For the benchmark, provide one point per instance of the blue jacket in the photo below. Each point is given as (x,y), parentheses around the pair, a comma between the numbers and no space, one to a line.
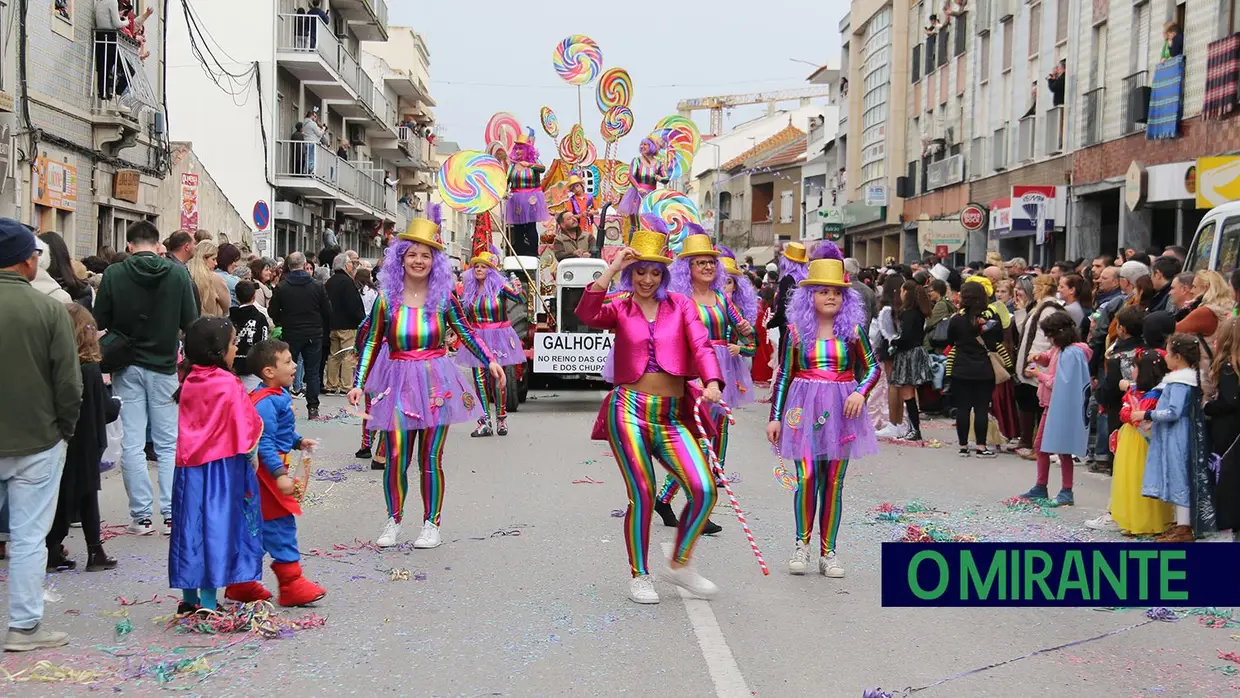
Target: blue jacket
(279,432)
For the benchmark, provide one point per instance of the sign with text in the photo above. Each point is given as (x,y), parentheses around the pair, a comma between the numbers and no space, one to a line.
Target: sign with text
(571,352)
(1031,204)
(55,184)
(126,185)
(875,195)
(189,202)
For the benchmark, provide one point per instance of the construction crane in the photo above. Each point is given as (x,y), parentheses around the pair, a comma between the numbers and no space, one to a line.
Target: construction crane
(717,104)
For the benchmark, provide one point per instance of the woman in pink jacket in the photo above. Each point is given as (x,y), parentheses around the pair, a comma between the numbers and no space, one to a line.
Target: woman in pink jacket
(660,346)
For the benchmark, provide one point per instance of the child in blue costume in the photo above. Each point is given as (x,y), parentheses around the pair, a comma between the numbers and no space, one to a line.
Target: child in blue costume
(271,361)
(216,521)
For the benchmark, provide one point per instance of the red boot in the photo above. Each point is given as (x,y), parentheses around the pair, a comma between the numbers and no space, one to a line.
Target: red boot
(247,592)
(295,590)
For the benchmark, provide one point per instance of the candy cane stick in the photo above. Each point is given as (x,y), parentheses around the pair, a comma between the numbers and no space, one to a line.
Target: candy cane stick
(723,477)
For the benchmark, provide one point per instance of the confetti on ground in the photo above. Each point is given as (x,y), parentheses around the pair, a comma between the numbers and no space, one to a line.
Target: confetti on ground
(124,627)
(926,443)
(618,513)
(1215,617)
(932,533)
(329,475)
(1044,507)
(108,532)
(259,618)
(337,416)
(155,598)
(588,481)
(46,672)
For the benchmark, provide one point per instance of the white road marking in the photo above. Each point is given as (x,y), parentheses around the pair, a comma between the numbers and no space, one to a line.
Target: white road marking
(724,671)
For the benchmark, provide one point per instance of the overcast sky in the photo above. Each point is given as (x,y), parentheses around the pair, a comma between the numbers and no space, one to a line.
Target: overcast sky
(489,56)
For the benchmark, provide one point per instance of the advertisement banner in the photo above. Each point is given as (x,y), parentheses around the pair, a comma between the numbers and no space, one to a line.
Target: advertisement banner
(571,352)
(189,203)
(1218,180)
(1031,204)
(55,184)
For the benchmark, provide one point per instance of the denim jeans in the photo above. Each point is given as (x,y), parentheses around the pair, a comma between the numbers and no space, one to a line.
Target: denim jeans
(299,377)
(146,399)
(34,483)
(309,353)
(1102,448)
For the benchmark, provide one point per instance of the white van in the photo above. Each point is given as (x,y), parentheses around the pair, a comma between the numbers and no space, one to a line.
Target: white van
(1216,244)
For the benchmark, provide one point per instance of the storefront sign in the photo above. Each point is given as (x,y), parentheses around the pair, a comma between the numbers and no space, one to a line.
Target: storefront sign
(189,202)
(1000,223)
(973,217)
(1134,186)
(1175,181)
(1029,205)
(856,214)
(875,195)
(55,184)
(571,352)
(125,185)
(934,234)
(1218,180)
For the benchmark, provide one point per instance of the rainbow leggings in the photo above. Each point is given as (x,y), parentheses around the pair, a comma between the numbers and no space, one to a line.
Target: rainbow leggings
(642,428)
(404,447)
(489,392)
(370,437)
(820,486)
(719,443)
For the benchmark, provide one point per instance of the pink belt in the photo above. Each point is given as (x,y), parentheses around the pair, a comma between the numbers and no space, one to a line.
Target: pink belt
(418,354)
(491,325)
(821,374)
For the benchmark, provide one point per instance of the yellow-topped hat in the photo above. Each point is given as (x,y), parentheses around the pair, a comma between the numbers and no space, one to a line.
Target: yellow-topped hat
(488,258)
(697,246)
(825,272)
(574,179)
(796,252)
(729,265)
(650,246)
(522,138)
(424,231)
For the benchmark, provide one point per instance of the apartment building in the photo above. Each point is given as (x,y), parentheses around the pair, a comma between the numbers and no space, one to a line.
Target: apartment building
(83,143)
(243,93)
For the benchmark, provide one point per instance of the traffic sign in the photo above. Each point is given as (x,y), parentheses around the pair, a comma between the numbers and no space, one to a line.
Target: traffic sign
(973,217)
(262,214)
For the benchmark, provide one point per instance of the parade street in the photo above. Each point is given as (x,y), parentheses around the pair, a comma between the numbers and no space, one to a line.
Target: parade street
(527,595)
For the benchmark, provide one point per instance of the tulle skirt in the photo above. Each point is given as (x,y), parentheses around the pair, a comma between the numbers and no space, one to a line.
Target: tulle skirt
(411,395)
(631,203)
(609,367)
(503,342)
(737,381)
(814,425)
(217,523)
(527,206)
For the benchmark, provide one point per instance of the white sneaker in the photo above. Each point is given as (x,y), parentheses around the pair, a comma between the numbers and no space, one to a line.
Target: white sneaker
(890,431)
(167,526)
(141,528)
(689,580)
(799,563)
(829,565)
(641,590)
(390,533)
(1103,523)
(429,537)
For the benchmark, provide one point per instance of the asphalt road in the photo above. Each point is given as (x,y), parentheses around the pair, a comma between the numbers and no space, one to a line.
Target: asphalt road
(527,596)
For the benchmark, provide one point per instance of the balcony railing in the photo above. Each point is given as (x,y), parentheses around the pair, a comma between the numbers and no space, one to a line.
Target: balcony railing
(379,9)
(1131,106)
(1054,130)
(1027,137)
(305,160)
(307,34)
(1094,103)
(383,107)
(120,78)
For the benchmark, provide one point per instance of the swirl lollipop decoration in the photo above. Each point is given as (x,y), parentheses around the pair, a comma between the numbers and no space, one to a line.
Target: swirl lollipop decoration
(676,122)
(591,155)
(496,150)
(615,89)
(550,124)
(573,147)
(617,123)
(673,210)
(472,182)
(503,128)
(577,59)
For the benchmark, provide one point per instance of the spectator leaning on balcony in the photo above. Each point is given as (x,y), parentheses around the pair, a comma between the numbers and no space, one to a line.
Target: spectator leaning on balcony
(111,80)
(1055,82)
(1173,41)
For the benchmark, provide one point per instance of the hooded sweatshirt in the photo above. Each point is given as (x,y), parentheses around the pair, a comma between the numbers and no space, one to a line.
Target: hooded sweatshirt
(150,301)
(43,281)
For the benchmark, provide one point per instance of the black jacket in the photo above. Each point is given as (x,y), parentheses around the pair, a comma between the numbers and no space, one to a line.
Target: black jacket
(251,326)
(779,318)
(346,301)
(85,449)
(300,307)
(968,359)
(912,331)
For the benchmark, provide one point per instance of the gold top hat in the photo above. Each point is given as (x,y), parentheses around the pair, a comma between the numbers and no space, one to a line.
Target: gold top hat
(729,265)
(697,246)
(796,252)
(826,272)
(424,231)
(487,258)
(574,179)
(650,246)
(522,138)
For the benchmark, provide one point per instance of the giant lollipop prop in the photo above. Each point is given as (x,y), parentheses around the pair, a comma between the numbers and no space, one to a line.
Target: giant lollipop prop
(673,211)
(615,89)
(550,123)
(617,122)
(472,182)
(577,60)
(503,128)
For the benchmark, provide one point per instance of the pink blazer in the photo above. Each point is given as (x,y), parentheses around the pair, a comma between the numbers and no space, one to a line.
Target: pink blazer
(681,347)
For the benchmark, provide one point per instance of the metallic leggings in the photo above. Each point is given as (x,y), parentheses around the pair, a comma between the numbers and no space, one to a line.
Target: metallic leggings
(820,487)
(719,443)
(425,446)
(489,392)
(642,428)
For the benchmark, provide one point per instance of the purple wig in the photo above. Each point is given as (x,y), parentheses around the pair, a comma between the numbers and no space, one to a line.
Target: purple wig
(682,277)
(626,279)
(654,147)
(745,296)
(523,152)
(796,270)
(801,309)
(489,288)
(392,277)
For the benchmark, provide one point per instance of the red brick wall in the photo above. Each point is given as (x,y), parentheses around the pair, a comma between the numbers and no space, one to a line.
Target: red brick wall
(1198,139)
(1045,173)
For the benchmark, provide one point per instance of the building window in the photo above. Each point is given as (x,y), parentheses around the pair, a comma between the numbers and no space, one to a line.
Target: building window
(725,206)
(1007,46)
(785,207)
(1035,29)
(912,177)
(930,44)
(944,40)
(916,63)
(589,178)
(962,34)
(1233,20)
(983,59)
(1141,45)
(1061,21)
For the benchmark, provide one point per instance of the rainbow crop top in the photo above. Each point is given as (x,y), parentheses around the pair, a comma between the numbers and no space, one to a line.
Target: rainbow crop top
(525,177)
(646,176)
(487,311)
(721,321)
(416,330)
(826,360)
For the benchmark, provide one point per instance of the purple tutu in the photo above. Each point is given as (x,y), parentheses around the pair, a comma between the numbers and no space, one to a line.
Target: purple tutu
(737,380)
(410,395)
(631,203)
(814,425)
(503,342)
(609,367)
(527,206)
